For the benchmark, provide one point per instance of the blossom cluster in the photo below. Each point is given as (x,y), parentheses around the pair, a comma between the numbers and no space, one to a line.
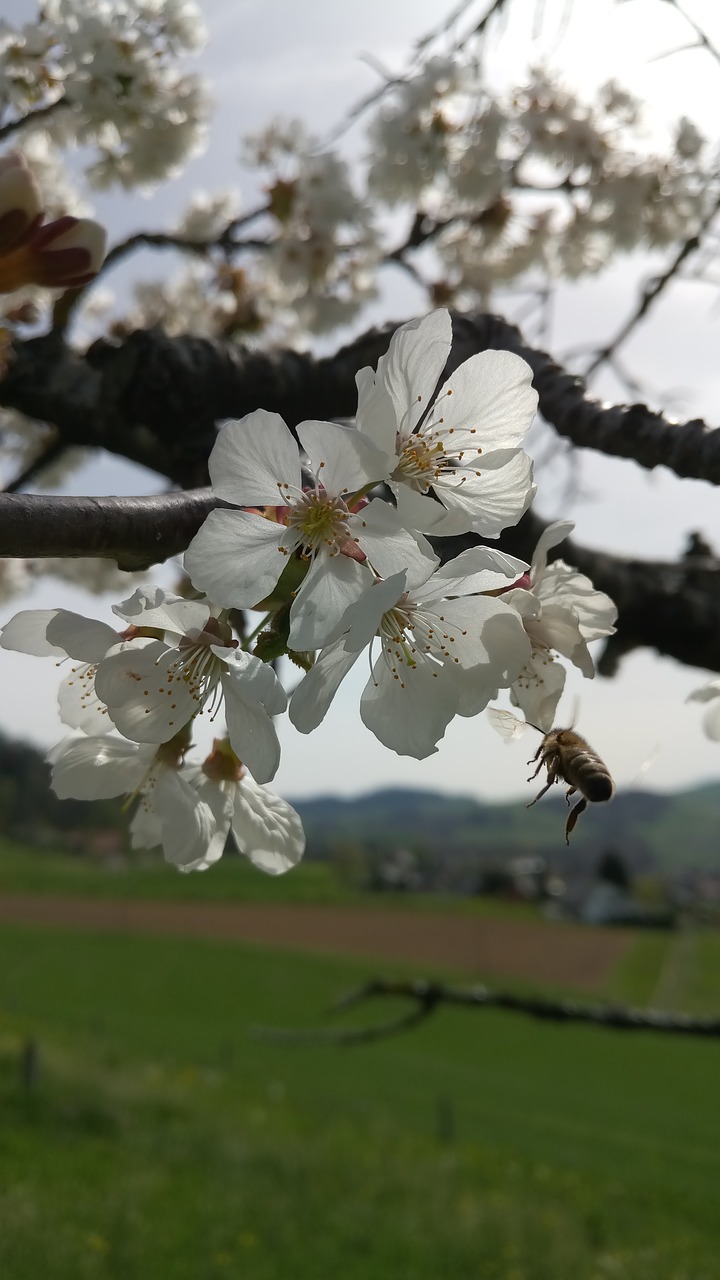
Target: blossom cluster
(102,75)
(327,533)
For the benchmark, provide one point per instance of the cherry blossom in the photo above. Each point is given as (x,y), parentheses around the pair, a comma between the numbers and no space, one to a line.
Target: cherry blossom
(445,648)
(453,459)
(152,691)
(561,612)
(238,556)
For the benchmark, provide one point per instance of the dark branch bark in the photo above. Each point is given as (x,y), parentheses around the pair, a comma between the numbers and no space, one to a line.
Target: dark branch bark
(136,532)
(673,608)
(156,400)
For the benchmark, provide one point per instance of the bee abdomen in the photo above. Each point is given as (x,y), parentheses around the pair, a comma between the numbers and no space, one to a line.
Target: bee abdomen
(591,777)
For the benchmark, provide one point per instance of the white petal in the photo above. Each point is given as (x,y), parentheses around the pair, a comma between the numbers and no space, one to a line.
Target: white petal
(475,570)
(254,459)
(389,545)
(360,622)
(84,639)
(332,584)
(98,768)
(550,537)
(492,397)
(376,420)
(310,701)
(711,722)
(561,584)
(538,691)
(251,731)
(488,636)
(236,558)
(156,608)
(79,705)
(258,680)
(189,826)
(341,459)
(492,500)
(146,700)
(415,360)
(557,627)
(26,633)
(266,829)
(706,692)
(409,718)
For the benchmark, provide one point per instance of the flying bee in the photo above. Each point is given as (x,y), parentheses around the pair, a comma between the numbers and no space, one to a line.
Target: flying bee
(568,758)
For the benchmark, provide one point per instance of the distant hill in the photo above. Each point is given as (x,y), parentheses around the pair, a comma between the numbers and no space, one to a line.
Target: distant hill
(664,832)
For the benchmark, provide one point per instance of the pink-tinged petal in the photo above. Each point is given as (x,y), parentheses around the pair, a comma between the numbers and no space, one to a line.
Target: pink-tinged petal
(493,402)
(538,691)
(492,500)
(389,545)
(27,633)
(84,639)
(255,462)
(146,699)
(252,734)
(19,201)
(266,829)
(98,768)
(332,584)
(153,607)
(340,458)
(410,717)
(310,702)
(67,252)
(236,558)
(411,369)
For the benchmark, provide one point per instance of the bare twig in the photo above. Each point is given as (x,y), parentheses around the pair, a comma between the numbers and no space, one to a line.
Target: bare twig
(427,997)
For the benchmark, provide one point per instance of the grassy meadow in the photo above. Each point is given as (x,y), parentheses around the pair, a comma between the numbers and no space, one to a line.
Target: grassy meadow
(146,1133)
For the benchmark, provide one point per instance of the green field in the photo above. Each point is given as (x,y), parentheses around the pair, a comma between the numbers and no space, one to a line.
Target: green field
(160,1140)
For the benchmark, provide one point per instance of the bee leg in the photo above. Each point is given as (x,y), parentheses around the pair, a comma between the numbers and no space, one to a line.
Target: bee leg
(540,765)
(573,816)
(570,792)
(552,777)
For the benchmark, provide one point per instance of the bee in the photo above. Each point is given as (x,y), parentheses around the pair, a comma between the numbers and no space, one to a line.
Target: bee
(567,758)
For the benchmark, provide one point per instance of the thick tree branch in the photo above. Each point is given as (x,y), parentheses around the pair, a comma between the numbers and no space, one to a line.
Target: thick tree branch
(136,532)
(156,400)
(673,608)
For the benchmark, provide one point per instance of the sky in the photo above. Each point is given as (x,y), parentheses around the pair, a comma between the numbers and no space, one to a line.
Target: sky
(265,58)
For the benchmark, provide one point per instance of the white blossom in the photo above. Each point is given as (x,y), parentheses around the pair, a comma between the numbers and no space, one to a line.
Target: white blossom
(463,443)
(445,649)
(238,556)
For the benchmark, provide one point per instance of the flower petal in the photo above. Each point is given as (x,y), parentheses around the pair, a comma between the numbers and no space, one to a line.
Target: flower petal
(332,584)
(413,365)
(310,702)
(409,717)
(84,639)
(236,558)
(146,699)
(153,607)
(491,500)
(255,460)
(341,459)
(26,632)
(250,729)
(98,768)
(488,401)
(390,546)
(266,829)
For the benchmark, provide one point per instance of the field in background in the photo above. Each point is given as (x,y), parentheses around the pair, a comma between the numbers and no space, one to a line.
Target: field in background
(145,1133)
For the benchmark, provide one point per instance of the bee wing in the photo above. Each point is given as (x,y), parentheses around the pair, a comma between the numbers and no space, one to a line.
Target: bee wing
(506,724)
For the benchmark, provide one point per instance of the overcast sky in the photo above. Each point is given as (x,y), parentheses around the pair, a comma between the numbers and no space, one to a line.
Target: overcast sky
(269,57)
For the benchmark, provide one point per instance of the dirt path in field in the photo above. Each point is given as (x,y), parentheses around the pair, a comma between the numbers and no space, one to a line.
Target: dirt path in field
(566,954)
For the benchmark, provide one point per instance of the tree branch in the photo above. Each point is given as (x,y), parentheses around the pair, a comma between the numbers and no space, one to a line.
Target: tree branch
(427,997)
(156,400)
